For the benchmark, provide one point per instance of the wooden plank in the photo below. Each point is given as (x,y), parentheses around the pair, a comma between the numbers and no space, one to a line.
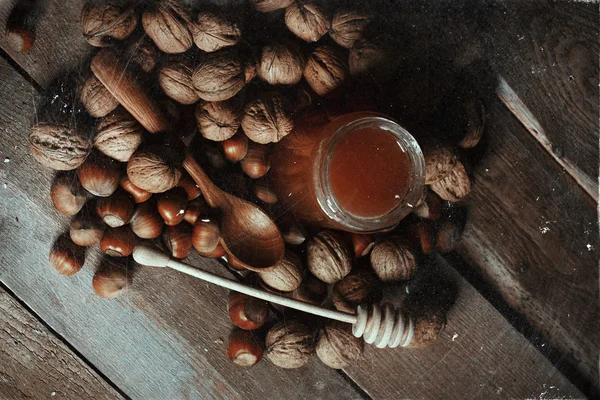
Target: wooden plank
(34,364)
(167,337)
(534,238)
(548,54)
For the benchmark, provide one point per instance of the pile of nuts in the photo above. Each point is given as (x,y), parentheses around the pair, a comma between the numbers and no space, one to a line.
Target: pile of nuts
(198,59)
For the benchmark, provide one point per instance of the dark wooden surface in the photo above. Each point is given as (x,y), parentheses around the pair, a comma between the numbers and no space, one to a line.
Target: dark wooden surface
(171,345)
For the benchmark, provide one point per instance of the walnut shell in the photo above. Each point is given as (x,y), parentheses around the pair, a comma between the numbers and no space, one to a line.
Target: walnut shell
(357,288)
(219,120)
(439,162)
(175,79)
(96,98)
(212,32)
(220,75)
(328,256)
(289,344)
(118,135)
(337,347)
(58,147)
(367,56)
(286,276)
(326,69)
(142,52)
(347,26)
(428,326)
(312,290)
(455,186)
(393,261)
(307,21)
(281,63)
(475,114)
(270,5)
(167,25)
(104,23)
(155,169)
(267,119)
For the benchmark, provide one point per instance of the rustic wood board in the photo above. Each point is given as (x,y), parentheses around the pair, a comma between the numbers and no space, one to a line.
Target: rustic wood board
(34,364)
(534,237)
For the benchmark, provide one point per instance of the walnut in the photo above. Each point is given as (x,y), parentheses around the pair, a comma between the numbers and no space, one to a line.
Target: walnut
(220,75)
(286,276)
(118,135)
(270,5)
(281,63)
(311,290)
(212,32)
(307,21)
(326,69)
(337,347)
(96,98)
(439,162)
(328,256)
(155,169)
(356,288)
(219,120)
(428,326)
(104,23)
(289,344)
(455,186)
(58,147)
(267,119)
(167,25)
(347,26)
(475,115)
(368,56)
(393,261)
(175,79)
(142,52)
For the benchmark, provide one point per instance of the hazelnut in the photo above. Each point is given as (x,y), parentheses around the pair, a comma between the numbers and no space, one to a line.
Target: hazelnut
(236,147)
(244,349)
(218,252)
(267,119)
(171,205)
(111,280)
(115,210)
(289,344)
(175,79)
(430,207)
(393,261)
(67,194)
(99,175)
(58,147)
(219,120)
(167,25)
(194,209)
(347,26)
(286,275)
(281,63)
(362,244)
(86,228)
(311,290)
(66,257)
(475,115)
(214,156)
(96,98)
(357,288)
(455,186)
(326,69)
(139,195)
(103,23)
(219,75)
(146,222)
(328,256)
(337,347)
(20,27)
(118,135)
(448,235)
(264,194)
(247,312)
(178,239)
(257,161)
(421,236)
(212,32)
(270,5)
(428,326)
(155,169)
(205,236)
(439,162)
(372,57)
(117,242)
(191,188)
(307,21)
(292,231)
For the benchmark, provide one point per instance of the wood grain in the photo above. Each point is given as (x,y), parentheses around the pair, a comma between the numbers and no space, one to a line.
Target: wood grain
(29,353)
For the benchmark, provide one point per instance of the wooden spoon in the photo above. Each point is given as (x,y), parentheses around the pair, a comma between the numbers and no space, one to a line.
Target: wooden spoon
(249,234)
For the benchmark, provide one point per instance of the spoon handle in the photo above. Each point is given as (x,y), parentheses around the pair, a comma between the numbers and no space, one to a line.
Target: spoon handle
(212,194)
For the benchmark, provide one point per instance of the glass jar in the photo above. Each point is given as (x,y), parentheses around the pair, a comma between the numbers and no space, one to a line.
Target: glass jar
(358,172)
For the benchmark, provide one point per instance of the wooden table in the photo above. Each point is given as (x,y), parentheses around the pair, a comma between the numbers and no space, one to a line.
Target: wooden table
(525,323)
